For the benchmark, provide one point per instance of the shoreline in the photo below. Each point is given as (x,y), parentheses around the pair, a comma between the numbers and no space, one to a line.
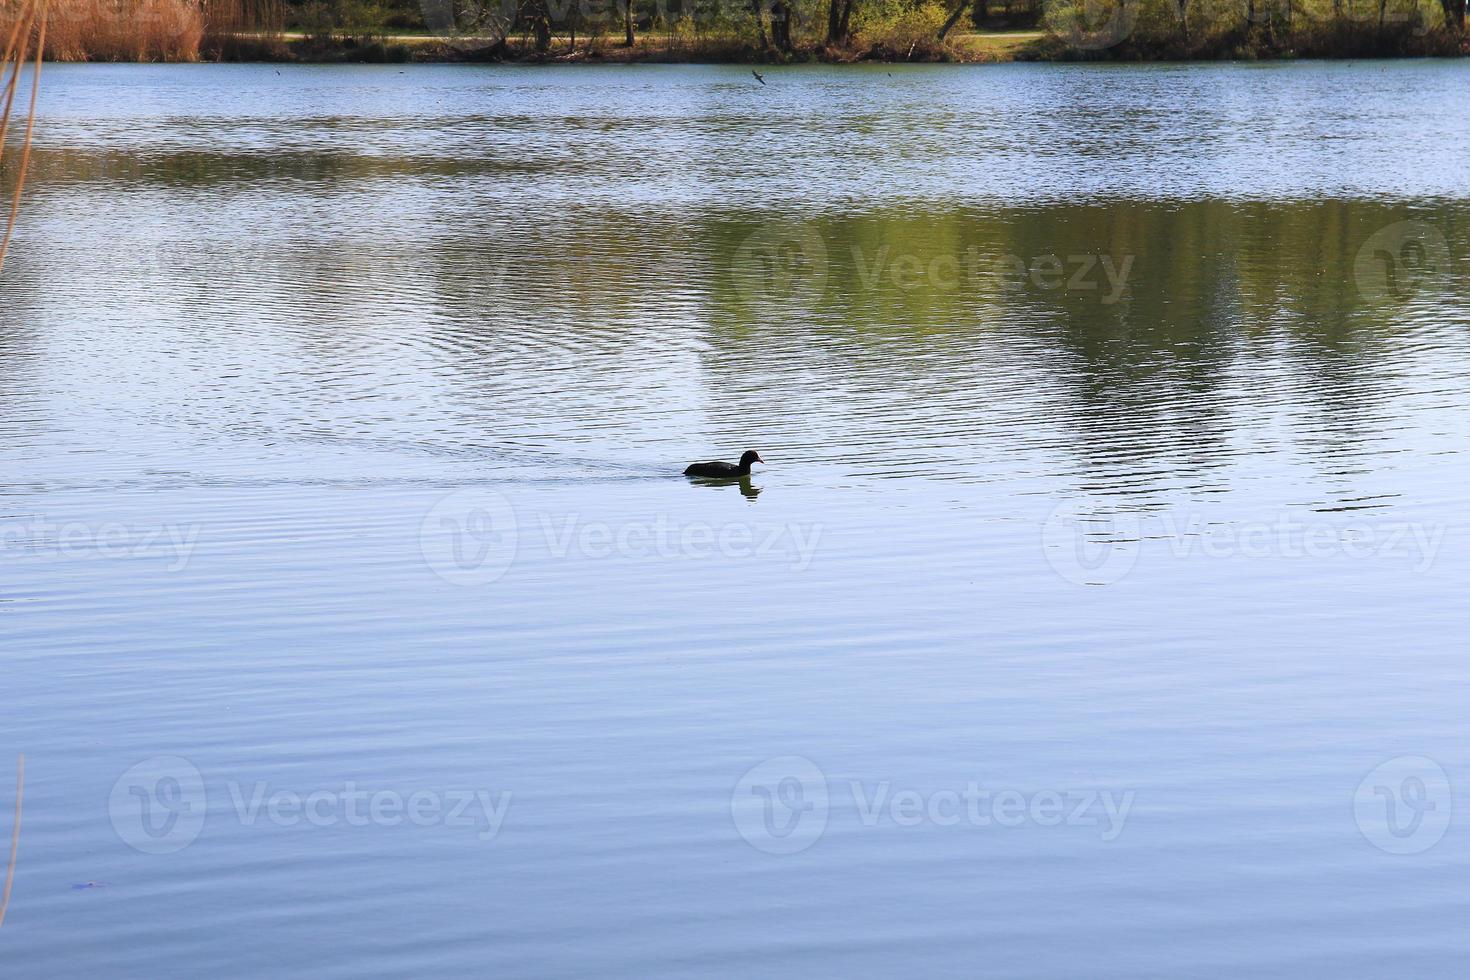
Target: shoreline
(1136,31)
(371,48)
(1010,47)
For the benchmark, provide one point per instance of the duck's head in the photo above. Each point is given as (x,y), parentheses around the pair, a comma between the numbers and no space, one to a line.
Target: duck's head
(750,456)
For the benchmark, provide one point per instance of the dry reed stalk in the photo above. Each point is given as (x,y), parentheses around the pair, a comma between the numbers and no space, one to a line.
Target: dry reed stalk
(16,49)
(20,790)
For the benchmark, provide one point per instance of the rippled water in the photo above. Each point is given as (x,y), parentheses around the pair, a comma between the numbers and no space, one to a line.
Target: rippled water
(1100,610)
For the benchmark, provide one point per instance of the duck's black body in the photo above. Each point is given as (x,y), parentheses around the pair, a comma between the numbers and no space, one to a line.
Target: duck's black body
(716,471)
(725,471)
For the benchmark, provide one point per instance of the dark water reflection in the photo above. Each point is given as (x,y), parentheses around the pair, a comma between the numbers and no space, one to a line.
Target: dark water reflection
(1116,427)
(917,344)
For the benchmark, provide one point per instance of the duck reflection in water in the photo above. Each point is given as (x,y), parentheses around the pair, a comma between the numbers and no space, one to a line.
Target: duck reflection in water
(747,489)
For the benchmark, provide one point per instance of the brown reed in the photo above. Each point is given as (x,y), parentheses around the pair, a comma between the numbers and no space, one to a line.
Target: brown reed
(20,789)
(119,30)
(32,19)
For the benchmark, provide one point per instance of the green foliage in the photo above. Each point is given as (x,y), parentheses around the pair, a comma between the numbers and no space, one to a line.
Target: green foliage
(322,17)
(903,29)
(900,26)
(1143,29)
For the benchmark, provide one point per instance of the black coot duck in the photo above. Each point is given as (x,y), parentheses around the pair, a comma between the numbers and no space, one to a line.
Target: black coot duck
(725,471)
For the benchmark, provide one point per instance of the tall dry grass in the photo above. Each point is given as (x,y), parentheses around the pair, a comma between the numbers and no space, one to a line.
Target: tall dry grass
(118,30)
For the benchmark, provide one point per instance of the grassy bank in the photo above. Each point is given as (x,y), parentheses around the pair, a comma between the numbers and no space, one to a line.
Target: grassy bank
(744,32)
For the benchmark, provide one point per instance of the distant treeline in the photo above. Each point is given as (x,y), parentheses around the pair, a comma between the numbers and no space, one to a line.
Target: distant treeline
(744,30)
(1188,29)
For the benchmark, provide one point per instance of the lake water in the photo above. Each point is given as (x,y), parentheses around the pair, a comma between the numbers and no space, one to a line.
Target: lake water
(1100,611)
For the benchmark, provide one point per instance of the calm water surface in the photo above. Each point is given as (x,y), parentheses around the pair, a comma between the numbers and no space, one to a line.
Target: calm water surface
(1101,611)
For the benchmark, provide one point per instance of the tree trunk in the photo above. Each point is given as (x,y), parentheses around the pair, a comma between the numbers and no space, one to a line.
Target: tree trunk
(538,19)
(760,22)
(953,18)
(1454,13)
(628,23)
(839,17)
(781,26)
